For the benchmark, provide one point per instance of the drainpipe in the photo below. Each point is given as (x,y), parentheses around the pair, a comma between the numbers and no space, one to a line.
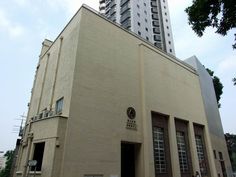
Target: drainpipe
(29,140)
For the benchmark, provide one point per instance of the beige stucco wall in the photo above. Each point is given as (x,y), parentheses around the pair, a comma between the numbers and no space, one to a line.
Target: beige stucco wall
(115,70)
(49,86)
(102,71)
(219,145)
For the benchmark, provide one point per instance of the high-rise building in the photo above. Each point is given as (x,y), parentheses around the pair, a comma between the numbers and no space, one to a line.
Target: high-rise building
(148,18)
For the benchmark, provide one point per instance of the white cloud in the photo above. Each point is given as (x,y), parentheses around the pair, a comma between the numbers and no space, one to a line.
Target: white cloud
(21,2)
(13,29)
(227,65)
(71,6)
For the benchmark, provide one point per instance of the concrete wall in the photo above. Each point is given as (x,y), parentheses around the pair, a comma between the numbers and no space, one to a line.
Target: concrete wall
(212,114)
(125,72)
(101,70)
(53,80)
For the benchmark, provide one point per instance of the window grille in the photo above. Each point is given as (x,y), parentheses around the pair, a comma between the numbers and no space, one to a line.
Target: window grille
(201,155)
(183,160)
(159,150)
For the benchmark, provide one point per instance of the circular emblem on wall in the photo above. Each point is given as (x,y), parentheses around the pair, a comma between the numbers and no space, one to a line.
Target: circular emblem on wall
(131,113)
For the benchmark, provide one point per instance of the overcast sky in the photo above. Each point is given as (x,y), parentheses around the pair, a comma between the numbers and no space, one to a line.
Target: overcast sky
(24,24)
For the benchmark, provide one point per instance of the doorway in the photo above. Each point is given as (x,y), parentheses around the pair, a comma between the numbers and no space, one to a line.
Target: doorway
(127,159)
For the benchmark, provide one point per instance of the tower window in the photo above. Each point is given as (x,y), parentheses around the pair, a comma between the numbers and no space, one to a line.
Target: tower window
(139,32)
(138,14)
(214,151)
(59,105)
(138,23)
(146,29)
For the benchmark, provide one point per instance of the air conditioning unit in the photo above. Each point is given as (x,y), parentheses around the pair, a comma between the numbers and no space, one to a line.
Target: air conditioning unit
(36,117)
(46,113)
(51,113)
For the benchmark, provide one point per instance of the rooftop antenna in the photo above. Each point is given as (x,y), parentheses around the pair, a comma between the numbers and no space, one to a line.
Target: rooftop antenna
(20,130)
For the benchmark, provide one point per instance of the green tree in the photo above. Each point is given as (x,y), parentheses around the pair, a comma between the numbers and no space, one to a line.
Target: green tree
(234,80)
(6,171)
(219,14)
(218,86)
(231,145)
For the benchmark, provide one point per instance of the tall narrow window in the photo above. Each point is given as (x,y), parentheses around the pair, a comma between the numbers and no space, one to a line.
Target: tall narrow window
(59,105)
(183,147)
(214,151)
(201,155)
(201,150)
(38,155)
(159,150)
(182,150)
(161,147)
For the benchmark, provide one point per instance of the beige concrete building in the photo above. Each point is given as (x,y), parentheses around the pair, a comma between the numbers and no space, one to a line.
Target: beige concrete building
(106,103)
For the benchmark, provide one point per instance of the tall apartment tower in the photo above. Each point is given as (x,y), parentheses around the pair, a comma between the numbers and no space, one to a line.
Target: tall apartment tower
(148,18)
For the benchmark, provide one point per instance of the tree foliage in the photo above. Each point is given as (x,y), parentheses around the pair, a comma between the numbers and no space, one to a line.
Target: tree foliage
(6,171)
(234,80)
(219,14)
(218,86)
(231,145)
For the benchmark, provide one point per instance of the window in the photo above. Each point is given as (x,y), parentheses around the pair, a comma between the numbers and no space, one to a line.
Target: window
(159,150)
(201,150)
(139,32)
(137,6)
(169,42)
(145,12)
(138,14)
(38,155)
(146,29)
(220,155)
(145,20)
(182,151)
(168,34)
(138,23)
(170,50)
(214,151)
(201,155)
(59,105)
(147,38)
(161,146)
(167,27)
(144,4)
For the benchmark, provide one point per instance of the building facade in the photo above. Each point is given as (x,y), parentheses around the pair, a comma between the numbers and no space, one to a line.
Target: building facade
(119,108)
(220,150)
(148,18)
